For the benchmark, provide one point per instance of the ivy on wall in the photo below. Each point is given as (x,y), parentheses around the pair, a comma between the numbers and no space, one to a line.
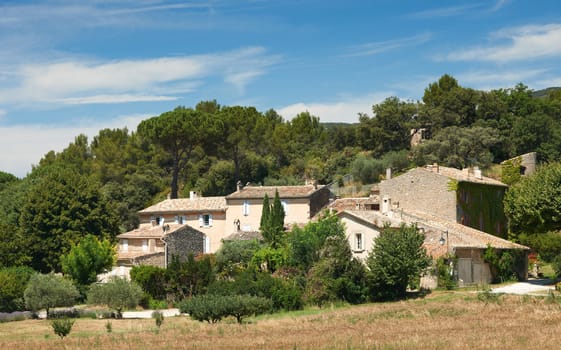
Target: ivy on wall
(481,207)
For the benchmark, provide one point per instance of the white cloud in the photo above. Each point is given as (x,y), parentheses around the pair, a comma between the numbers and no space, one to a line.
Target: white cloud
(31,142)
(80,82)
(102,99)
(343,111)
(488,80)
(523,43)
(388,45)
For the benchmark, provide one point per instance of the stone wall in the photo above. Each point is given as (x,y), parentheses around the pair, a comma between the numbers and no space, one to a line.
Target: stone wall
(156,259)
(184,241)
(421,190)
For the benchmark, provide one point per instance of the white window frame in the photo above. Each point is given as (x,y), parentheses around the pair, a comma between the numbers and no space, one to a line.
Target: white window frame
(205,220)
(180,219)
(245,208)
(124,245)
(359,241)
(144,245)
(284,204)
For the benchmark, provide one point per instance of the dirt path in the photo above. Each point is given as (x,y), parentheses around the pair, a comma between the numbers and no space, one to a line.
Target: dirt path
(533,286)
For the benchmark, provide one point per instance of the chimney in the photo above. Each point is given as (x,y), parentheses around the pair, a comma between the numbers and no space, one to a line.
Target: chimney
(477,173)
(388,173)
(386,205)
(435,167)
(239,186)
(192,195)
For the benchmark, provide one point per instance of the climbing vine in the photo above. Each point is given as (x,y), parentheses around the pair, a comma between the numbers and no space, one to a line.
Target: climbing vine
(481,207)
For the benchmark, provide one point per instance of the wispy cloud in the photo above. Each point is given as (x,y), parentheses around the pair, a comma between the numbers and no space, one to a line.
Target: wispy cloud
(344,109)
(499,5)
(82,81)
(487,80)
(388,45)
(451,11)
(522,43)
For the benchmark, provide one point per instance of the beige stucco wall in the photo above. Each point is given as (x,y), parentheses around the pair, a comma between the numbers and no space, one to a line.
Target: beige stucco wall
(368,234)
(297,212)
(135,245)
(423,190)
(215,233)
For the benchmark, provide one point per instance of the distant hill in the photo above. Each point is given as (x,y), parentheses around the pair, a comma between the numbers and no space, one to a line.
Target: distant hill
(544,92)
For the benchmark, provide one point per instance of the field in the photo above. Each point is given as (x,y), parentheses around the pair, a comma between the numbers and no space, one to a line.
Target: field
(442,320)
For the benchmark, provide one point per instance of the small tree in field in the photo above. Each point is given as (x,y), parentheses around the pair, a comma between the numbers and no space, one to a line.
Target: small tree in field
(119,293)
(49,291)
(62,326)
(397,259)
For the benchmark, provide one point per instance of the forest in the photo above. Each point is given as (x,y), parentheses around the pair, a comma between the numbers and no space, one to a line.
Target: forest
(97,186)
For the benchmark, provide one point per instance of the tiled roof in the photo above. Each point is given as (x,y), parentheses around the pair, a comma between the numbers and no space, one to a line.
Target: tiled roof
(135,255)
(150,231)
(373,217)
(466,175)
(256,192)
(188,205)
(354,203)
(243,236)
(459,236)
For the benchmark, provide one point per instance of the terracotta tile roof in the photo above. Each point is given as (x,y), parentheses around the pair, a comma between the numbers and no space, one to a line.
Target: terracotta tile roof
(465,175)
(243,236)
(459,236)
(135,255)
(151,231)
(372,217)
(187,205)
(354,203)
(256,192)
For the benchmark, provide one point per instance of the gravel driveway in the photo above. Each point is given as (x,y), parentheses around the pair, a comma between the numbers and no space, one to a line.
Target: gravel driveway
(534,286)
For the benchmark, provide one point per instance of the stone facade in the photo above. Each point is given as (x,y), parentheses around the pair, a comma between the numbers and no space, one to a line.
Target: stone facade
(419,189)
(182,242)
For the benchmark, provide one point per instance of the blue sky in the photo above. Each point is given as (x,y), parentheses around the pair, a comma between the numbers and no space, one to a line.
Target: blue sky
(77,67)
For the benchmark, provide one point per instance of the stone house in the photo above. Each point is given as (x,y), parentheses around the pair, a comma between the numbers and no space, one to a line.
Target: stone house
(462,196)
(174,227)
(442,238)
(300,204)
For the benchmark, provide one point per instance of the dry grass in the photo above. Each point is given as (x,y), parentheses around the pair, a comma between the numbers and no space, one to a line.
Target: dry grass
(439,321)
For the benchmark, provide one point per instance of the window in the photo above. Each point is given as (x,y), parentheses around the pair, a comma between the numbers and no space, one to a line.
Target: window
(125,245)
(358,241)
(245,208)
(206,248)
(159,220)
(285,207)
(144,245)
(205,220)
(180,219)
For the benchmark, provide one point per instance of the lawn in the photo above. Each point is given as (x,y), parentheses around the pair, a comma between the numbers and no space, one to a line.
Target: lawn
(441,320)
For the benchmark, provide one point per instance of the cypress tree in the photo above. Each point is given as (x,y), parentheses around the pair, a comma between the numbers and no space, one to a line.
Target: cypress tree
(265,214)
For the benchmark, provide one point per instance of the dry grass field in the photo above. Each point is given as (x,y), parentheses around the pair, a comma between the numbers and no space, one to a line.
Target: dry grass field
(442,320)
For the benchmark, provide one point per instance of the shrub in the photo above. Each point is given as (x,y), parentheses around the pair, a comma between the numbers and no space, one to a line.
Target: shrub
(68,313)
(556,265)
(14,280)
(49,291)
(213,308)
(487,296)
(62,326)
(118,293)
(158,317)
(445,273)
(151,279)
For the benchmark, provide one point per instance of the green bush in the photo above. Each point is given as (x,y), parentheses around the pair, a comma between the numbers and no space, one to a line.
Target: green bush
(14,281)
(118,293)
(158,317)
(213,308)
(62,326)
(445,273)
(151,279)
(49,291)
